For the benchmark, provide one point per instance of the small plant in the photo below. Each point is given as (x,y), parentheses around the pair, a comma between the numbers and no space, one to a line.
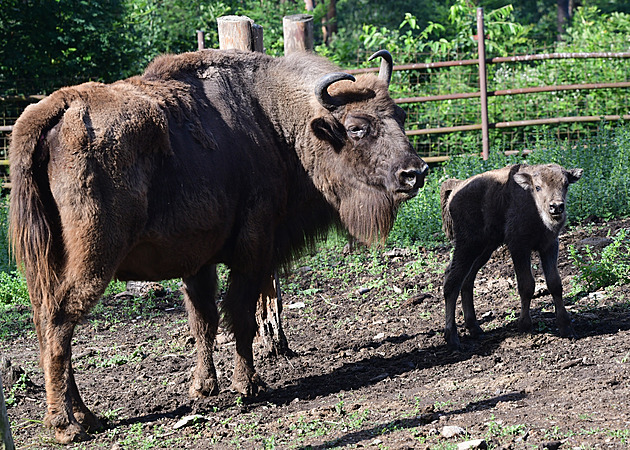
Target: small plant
(611,267)
(18,386)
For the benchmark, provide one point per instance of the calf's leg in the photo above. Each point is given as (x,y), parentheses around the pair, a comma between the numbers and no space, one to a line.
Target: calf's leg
(203,320)
(456,272)
(525,280)
(549,262)
(470,317)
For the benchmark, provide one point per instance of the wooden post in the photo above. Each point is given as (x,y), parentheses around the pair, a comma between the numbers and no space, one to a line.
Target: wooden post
(298,33)
(483,84)
(242,33)
(6,440)
(200,40)
(270,333)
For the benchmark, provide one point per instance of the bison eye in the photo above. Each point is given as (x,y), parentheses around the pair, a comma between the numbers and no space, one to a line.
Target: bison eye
(538,188)
(357,132)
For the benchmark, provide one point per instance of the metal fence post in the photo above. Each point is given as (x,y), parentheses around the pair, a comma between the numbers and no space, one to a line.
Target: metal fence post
(483,84)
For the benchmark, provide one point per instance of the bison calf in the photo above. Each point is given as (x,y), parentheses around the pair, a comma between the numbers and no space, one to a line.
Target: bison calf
(522,206)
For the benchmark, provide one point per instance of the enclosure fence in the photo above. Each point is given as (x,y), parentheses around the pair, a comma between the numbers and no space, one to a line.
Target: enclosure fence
(464,103)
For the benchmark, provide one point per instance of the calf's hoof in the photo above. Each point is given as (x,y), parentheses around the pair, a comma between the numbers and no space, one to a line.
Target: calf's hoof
(452,340)
(525,324)
(475,330)
(567,331)
(250,386)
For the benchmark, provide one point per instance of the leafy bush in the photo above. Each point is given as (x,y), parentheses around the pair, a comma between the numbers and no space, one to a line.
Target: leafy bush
(13,289)
(610,267)
(6,264)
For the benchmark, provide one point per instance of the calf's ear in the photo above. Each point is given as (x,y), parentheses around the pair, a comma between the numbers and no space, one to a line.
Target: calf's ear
(329,129)
(524,180)
(574,174)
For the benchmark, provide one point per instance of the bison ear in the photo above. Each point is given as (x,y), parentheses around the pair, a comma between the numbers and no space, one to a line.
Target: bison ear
(574,174)
(328,129)
(524,180)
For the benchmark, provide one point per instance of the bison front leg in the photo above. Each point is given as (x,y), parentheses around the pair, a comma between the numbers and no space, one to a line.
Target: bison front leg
(240,308)
(549,262)
(203,320)
(525,281)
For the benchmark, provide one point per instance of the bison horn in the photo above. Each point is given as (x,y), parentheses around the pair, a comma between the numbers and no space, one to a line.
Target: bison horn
(321,90)
(387,65)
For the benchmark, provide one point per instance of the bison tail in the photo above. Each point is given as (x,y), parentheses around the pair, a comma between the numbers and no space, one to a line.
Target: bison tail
(32,212)
(446,189)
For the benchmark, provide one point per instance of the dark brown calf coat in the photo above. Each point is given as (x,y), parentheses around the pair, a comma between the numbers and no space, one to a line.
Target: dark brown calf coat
(522,206)
(208,157)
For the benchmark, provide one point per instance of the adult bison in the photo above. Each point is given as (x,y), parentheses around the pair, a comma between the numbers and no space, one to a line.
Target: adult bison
(208,157)
(522,206)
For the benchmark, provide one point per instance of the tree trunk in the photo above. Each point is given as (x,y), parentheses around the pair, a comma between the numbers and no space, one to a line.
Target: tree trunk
(330,22)
(565,8)
(268,317)
(6,440)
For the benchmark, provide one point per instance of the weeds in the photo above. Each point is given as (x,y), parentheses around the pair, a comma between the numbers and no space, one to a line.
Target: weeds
(610,267)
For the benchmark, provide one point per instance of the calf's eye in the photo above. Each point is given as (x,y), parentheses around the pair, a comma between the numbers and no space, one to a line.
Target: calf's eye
(538,188)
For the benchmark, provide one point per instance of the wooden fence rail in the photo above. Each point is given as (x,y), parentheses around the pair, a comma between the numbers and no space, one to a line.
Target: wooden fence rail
(482,94)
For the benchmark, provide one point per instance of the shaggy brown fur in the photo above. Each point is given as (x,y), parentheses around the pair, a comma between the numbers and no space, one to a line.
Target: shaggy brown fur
(209,157)
(521,206)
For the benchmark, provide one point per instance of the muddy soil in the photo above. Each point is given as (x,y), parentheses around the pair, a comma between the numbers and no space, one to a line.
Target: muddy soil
(369,367)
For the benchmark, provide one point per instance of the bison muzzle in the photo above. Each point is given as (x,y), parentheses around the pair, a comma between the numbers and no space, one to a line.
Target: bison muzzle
(522,206)
(208,157)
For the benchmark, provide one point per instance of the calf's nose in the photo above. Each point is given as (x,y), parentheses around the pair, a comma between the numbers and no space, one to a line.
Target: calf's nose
(556,208)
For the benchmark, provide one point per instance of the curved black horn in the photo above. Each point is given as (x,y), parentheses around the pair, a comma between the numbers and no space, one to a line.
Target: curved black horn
(387,65)
(321,89)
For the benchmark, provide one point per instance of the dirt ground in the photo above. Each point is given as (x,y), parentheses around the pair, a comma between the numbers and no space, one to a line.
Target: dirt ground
(369,367)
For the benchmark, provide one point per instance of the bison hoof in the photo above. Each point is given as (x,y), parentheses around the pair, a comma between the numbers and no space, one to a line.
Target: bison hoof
(72,433)
(89,421)
(250,387)
(203,388)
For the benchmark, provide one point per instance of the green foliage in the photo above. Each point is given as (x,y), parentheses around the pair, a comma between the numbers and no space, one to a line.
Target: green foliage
(171,27)
(611,266)
(6,263)
(47,44)
(13,289)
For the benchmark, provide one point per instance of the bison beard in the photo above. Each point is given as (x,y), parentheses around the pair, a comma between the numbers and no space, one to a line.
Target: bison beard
(209,157)
(368,215)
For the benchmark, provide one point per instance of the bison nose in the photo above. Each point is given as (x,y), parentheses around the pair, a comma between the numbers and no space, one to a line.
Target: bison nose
(412,179)
(556,208)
